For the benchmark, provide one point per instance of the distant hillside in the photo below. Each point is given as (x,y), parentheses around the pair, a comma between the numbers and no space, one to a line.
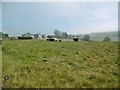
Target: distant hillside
(100,36)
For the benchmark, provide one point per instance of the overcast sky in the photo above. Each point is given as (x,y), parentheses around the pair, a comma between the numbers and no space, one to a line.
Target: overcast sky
(71,17)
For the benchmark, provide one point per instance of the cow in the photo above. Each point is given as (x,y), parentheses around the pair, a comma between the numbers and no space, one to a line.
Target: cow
(75,39)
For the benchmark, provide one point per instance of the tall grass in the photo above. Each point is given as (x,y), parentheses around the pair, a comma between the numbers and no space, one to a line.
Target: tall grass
(0,66)
(67,64)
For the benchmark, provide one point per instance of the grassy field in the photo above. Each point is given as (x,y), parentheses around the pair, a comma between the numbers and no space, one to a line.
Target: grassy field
(0,66)
(66,64)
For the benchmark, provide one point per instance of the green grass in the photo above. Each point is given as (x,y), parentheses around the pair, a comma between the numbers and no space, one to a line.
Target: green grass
(0,66)
(66,64)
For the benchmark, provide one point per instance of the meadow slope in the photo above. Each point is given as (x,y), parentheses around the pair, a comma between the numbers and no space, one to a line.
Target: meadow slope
(66,64)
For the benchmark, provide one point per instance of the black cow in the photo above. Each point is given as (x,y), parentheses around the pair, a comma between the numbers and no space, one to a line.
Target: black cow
(75,39)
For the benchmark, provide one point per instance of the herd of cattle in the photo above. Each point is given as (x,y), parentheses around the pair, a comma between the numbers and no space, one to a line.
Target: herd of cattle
(48,39)
(51,38)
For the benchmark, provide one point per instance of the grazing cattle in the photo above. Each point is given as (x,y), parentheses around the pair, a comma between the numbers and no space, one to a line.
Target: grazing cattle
(59,40)
(51,38)
(75,39)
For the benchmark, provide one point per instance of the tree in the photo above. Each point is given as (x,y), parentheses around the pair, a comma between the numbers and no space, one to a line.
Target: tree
(36,36)
(57,33)
(64,35)
(5,35)
(1,34)
(43,35)
(86,38)
(29,34)
(24,35)
(107,39)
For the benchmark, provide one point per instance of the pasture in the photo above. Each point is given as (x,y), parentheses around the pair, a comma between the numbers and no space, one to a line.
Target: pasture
(66,64)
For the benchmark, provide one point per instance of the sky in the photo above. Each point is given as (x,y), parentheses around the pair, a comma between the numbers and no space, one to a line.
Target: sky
(71,17)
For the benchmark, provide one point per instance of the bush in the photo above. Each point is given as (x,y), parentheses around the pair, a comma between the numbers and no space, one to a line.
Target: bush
(107,39)
(86,38)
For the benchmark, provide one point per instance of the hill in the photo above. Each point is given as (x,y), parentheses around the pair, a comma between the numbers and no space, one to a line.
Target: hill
(100,36)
